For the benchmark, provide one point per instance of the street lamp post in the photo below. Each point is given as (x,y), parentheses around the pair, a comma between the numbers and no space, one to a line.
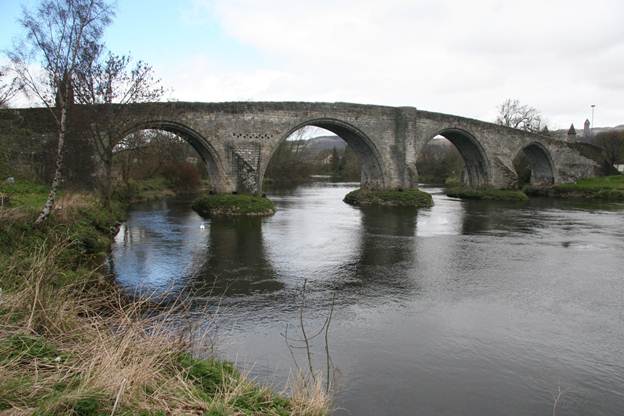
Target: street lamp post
(593,106)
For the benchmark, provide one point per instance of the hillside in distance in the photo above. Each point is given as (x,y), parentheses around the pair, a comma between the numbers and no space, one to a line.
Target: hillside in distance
(320,144)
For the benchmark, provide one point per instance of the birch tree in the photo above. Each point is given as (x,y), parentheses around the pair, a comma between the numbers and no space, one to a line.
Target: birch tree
(9,86)
(57,34)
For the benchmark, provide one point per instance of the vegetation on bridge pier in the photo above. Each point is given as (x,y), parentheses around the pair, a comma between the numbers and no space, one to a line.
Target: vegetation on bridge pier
(233,205)
(413,198)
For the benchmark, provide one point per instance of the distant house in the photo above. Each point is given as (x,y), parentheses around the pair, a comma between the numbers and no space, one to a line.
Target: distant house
(192,160)
(571,135)
(327,160)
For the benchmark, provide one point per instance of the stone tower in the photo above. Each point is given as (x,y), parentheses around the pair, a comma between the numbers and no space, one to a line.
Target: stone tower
(572,133)
(586,130)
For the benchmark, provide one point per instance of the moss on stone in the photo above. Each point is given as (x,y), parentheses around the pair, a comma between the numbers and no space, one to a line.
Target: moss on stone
(413,198)
(488,194)
(233,205)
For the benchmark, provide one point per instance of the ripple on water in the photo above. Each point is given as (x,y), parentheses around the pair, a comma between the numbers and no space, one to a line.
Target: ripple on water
(468,308)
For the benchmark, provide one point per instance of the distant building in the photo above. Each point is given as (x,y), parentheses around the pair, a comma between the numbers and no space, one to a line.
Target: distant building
(327,160)
(572,133)
(587,130)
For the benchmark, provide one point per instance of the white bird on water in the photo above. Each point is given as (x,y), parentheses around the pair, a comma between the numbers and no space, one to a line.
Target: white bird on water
(202,226)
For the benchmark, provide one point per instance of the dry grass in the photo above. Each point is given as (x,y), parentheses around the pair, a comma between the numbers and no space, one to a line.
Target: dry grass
(83,348)
(309,395)
(72,343)
(8,215)
(67,202)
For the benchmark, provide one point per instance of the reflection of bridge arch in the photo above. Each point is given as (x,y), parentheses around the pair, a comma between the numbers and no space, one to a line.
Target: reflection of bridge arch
(371,161)
(235,260)
(476,163)
(541,164)
(203,147)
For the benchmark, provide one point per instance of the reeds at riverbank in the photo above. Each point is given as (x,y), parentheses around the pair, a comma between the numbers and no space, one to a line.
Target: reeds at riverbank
(72,343)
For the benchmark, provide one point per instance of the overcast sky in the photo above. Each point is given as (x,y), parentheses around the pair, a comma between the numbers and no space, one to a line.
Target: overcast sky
(458,57)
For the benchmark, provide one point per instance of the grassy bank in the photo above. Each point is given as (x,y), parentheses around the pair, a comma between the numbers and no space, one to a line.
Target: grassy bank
(413,198)
(136,191)
(72,344)
(607,188)
(487,194)
(233,205)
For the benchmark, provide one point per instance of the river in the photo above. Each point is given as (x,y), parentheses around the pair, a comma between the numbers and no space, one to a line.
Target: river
(467,308)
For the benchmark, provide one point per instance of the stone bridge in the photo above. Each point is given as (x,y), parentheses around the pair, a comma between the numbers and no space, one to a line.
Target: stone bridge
(237,139)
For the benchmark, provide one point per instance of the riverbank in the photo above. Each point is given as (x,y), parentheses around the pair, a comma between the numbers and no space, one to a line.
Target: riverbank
(145,190)
(606,188)
(72,343)
(412,198)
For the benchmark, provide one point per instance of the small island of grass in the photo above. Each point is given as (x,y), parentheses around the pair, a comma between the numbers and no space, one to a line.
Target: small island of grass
(233,205)
(488,194)
(413,198)
(605,188)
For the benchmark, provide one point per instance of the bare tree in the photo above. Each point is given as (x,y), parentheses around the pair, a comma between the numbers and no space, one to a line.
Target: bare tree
(103,82)
(9,86)
(612,141)
(57,34)
(513,114)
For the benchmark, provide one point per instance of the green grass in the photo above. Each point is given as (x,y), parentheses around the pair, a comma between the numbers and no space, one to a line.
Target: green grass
(25,194)
(487,194)
(414,198)
(27,348)
(233,205)
(144,190)
(606,188)
(209,376)
(596,183)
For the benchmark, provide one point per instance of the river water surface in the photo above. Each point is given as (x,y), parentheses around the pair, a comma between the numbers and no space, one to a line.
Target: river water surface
(467,308)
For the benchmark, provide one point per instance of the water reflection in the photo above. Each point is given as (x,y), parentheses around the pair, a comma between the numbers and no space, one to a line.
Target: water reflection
(386,257)
(158,248)
(235,260)
(444,218)
(467,308)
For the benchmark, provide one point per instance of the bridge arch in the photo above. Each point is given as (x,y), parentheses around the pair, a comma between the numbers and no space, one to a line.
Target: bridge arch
(540,162)
(477,171)
(372,168)
(206,151)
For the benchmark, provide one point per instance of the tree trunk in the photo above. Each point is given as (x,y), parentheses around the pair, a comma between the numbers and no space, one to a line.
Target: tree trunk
(58,174)
(108,183)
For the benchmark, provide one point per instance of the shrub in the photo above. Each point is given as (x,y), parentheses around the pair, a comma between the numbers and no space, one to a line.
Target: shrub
(183,177)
